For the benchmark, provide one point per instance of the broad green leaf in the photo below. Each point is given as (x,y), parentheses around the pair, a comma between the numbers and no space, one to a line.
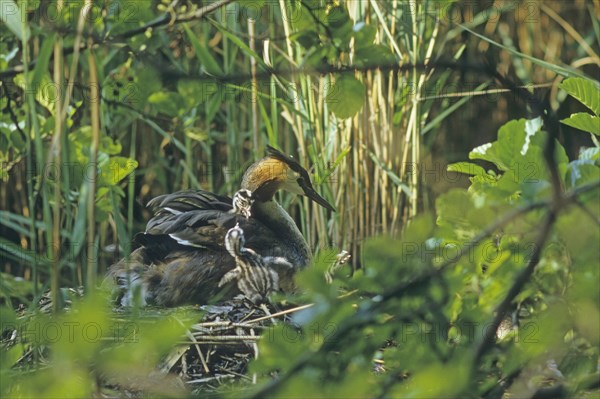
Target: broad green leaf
(15,19)
(45,92)
(346,97)
(592,154)
(450,380)
(467,168)
(340,26)
(117,169)
(582,171)
(503,152)
(10,356)
(584,121)
(585,90)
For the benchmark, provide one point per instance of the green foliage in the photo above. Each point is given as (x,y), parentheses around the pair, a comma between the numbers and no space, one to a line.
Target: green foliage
(88,344)
(518,155)
(422,304)
(585,90)
(12,18)
(346,97)
(588,92)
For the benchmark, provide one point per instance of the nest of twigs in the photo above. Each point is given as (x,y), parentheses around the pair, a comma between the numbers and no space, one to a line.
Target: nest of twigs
(217,350)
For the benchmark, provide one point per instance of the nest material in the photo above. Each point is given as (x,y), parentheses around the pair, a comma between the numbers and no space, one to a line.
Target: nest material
(218,349)
(213,355)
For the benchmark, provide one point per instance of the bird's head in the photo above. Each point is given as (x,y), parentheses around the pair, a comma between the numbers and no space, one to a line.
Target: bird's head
(234,240)
(242,202)
(278,171)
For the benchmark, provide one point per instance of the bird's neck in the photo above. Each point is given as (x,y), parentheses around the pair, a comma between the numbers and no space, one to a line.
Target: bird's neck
(272,215)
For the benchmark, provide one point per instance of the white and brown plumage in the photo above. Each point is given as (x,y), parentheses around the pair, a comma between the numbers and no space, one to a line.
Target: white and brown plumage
(182,256)
(254,279)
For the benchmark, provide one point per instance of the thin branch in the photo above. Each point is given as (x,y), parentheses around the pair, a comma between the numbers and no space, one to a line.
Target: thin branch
(557,204)
(171,19)
(487,339)
(165,19)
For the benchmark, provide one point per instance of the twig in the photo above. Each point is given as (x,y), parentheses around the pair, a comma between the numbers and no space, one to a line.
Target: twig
(218,377)
(233,373)
(165,19)
(225,338)
(283,312)
(200,354)
(488,338)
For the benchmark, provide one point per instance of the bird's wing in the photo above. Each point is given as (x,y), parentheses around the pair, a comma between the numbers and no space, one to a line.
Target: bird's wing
(186,219)
(197,220)
(189,200)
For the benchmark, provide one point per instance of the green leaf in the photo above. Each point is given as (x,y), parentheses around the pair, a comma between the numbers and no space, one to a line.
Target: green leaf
(364,35)
(41,67)
(17,287)
(117,169)
(591,154)
(14,19)
(584,121)
(340,26)
(13,251)
(9,357)
(331,169)
(585,90)
(467,168)
(374,55)
(205,57)
(193,91)
(511,139)
(582,171)
(45,92)
(346,97)
(167,102)
(19,223)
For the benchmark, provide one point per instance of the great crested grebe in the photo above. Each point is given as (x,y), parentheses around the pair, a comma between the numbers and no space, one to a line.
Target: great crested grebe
(183,258)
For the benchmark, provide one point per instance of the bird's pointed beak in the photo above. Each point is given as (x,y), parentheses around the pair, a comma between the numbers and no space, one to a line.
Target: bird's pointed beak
(313,195)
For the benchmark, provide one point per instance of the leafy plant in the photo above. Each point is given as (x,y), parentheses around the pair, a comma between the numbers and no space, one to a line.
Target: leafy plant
(491,292)
(88,348)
